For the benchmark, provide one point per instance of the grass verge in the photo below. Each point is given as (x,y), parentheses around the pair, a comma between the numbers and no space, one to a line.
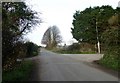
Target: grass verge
(110,63)
(20,73)
(72,52)
(67,52)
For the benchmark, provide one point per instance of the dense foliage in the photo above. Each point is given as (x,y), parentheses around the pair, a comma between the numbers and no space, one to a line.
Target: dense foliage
(74,47)
(107,22)
(85,23)
(111,41)
(17,20)
(32,49)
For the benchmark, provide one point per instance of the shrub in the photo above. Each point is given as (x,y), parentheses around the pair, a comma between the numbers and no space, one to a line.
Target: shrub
(74,46)
(111,58)
(32,49)
(111,41)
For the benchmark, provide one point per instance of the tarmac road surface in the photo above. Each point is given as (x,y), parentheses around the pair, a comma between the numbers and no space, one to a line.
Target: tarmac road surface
(68,67)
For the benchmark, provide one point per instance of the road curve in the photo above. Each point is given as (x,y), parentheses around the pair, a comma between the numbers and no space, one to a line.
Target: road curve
(50,66)
(57,67)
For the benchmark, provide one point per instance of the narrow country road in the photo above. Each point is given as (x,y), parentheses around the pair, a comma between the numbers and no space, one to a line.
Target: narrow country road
(67,67)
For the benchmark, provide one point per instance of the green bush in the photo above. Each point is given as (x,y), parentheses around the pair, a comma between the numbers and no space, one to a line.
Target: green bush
(110,62)
(111,42)
(32,49)
(74,46)
(111,58)
(17,51)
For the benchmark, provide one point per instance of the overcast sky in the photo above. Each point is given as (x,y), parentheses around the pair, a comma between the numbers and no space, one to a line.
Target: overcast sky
(60,13)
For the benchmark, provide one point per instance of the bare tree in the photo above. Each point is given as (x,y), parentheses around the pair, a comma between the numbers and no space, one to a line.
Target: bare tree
(52,37)
(47,38)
